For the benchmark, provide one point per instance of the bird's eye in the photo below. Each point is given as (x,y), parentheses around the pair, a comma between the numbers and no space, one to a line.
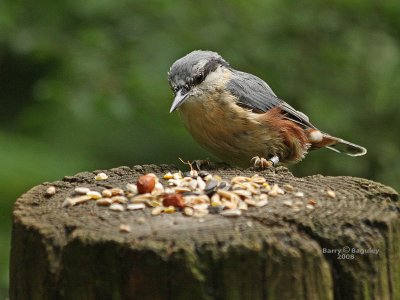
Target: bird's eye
(199,78)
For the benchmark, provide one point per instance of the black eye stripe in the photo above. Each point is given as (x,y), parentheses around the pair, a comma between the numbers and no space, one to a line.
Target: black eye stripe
(211,66)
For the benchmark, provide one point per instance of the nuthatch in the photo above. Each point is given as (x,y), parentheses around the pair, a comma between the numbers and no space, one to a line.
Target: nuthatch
(237,117)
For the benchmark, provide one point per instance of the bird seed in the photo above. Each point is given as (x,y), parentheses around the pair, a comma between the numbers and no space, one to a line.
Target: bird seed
(135,206)
(100,176)
(124,228)
(51,190)
(331,193)
(194,194)
(117,207)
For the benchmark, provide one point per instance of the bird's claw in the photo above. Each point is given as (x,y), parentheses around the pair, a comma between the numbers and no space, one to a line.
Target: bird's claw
(262,163)
(203,164)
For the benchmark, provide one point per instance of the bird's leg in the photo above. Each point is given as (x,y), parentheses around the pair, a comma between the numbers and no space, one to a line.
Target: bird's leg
(205,164)
(262,163)
(274,160)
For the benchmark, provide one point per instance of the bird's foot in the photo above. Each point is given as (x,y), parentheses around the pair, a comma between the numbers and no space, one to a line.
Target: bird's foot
(204,164)
(262,163)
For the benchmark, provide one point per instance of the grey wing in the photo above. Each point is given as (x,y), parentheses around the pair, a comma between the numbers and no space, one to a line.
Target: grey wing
(255,94)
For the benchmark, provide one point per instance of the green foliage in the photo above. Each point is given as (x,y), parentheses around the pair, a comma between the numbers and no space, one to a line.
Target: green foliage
(84,83)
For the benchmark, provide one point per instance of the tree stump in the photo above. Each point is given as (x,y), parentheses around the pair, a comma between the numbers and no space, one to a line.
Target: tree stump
(272,252)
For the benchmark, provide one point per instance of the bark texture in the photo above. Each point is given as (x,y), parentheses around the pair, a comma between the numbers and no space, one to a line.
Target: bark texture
(271,252)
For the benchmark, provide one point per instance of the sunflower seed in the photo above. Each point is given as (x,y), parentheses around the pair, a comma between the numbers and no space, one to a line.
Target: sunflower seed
(153,203)
(141,198)
(104,202)
(100,176)
(181,189)
(331,193)
(81,190)
(119,199)
(250,202)
(228,195)
(203,173)
(243,193)
(211,186)
(116,207)
(263,197)
(76,200)
(188,211)
(201,199)
(174,182)
(229,204)
(141,220)
(258,179)
(202,206)
(117,191)
(50,191)
(216,200)
(131,187)
(124,228)
(200,183)
(231,213)
(177,175)
(288,203)
(299,203)
(192,184)
(239,186)
(298,194)
(224,185)
(106,193)
(242,205)
(94,195)
(240,179)
(262,203)
(200,214)
(135,206)
(288,187)
(157,210)
(275,191)
(208,178)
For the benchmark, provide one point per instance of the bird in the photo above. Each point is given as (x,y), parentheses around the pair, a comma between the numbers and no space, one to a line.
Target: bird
(237,117)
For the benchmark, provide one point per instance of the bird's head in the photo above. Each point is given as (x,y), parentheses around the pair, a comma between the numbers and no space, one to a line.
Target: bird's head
(190,74)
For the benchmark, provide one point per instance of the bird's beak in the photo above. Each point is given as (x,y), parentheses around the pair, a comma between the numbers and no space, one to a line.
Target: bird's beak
(178,101)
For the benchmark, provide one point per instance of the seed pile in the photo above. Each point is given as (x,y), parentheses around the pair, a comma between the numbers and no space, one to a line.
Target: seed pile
(193,193)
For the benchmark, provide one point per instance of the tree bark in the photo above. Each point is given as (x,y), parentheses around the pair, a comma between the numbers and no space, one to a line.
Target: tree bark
(272,252)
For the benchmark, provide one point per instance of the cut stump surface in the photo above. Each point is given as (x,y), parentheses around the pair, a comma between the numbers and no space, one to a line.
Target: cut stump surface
(271,252)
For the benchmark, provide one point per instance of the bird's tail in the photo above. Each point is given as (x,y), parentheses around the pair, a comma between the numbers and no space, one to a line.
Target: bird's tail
(319,139)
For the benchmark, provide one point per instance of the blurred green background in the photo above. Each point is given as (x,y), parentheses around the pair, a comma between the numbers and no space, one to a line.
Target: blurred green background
(83,83)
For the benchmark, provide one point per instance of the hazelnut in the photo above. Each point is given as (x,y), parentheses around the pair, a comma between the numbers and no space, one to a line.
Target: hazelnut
(173,200)
(146,183)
